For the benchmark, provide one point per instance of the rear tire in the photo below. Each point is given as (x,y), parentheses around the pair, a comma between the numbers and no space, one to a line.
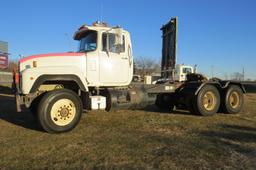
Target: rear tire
(164,102)
(234,100)
(60,111)
(207,101)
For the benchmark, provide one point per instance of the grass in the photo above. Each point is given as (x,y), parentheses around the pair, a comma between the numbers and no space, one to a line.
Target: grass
(129,139)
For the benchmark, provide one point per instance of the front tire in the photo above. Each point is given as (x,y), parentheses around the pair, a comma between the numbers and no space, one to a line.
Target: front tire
(207,101)
(234,100)
(59,111)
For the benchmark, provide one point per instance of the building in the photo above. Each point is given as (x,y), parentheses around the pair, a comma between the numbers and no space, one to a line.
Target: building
(3,55)
(3,47)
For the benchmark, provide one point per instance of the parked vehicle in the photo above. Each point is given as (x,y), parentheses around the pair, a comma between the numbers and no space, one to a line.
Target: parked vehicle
(181,72)
(58,87)
(137,78)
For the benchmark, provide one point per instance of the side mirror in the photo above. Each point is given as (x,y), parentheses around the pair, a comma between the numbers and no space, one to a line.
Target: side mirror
(119,36)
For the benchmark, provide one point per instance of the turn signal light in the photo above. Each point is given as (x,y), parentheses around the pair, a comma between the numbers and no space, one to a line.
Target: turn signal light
(17,78)
(34,63)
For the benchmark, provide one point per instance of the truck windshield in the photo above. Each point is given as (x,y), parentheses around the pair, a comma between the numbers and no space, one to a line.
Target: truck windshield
(88,42)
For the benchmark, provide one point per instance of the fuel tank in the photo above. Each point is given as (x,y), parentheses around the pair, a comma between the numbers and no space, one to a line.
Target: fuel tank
(128,98)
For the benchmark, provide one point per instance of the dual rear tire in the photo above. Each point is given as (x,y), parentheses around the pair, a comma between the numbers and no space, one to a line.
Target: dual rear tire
(208,102)
(234,100)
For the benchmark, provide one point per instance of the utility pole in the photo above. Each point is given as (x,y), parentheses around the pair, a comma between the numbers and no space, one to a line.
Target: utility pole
(243,73)
(101,12)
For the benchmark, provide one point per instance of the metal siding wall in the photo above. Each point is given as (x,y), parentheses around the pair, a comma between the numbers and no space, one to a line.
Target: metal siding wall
(3,47)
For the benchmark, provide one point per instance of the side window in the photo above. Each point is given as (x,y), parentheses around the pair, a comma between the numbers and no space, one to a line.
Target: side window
(108,43)
(187,70)
(104,42)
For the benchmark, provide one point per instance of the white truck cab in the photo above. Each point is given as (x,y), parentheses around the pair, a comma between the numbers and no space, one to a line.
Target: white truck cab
(109,60)
(181,72)
(86,79)
(104,59)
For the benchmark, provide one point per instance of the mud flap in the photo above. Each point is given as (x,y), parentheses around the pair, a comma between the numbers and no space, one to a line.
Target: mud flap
(18,102)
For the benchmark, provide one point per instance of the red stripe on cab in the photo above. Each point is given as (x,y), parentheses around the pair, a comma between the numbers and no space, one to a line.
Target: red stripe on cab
(51,55)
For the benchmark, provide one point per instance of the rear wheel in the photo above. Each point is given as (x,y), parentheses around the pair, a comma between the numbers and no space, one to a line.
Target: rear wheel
(60,111)
(164,102)
(207,101)
(234,100)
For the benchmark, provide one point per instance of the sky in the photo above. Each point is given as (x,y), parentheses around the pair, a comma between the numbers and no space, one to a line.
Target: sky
(217,35)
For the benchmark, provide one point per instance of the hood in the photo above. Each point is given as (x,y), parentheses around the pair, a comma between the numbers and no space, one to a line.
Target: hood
(71,54)
(53,59)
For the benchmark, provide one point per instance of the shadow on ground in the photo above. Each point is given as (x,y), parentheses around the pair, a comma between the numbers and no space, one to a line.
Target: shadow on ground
(227,147)
(154,108)
(235,137)
(6,90)
(8,111)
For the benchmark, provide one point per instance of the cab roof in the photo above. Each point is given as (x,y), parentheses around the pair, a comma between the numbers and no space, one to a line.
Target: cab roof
(96,26)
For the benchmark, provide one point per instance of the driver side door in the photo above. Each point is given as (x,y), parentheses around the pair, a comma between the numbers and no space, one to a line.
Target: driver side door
(114,62)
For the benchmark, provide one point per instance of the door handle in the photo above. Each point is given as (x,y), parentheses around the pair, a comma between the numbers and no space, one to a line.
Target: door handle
(124,58)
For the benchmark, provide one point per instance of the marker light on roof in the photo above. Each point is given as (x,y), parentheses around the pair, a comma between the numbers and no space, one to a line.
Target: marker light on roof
(82,27)
(101,24)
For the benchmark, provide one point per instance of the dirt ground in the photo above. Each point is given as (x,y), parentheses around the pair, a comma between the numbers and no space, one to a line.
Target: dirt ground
(134,139)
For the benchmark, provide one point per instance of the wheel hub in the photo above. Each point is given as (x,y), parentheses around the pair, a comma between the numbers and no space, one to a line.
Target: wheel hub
(209,101)
(63,112)
(234,99)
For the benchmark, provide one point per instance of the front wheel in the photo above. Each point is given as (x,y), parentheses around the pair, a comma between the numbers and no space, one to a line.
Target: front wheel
(59,111)
(207,101)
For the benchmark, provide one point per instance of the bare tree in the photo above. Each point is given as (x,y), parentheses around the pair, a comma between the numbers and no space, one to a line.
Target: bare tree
(237,76)
(146,66)
(12,66)
(225,76)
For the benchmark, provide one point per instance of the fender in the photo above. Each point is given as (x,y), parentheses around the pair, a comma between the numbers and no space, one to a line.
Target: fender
(221,85)
(235,83)
(63,77)
(32,78)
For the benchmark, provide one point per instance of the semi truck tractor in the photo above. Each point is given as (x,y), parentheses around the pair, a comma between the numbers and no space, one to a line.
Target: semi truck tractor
(59,87)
